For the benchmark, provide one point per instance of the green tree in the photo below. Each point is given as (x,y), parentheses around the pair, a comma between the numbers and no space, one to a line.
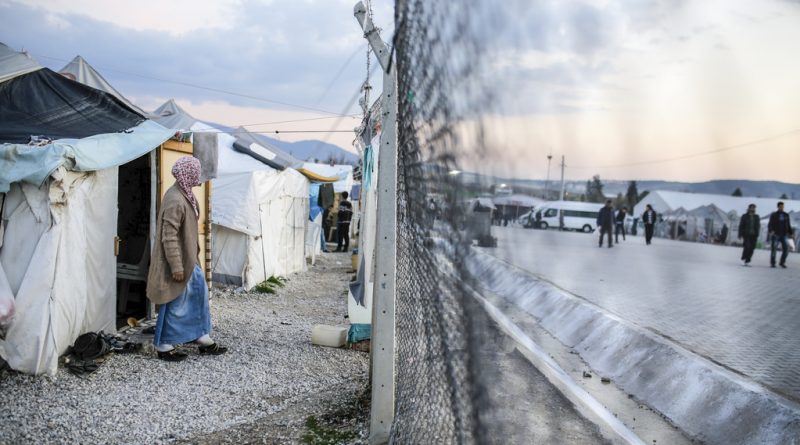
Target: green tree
(737,192)
(620,201)
(632,196)
(594,190)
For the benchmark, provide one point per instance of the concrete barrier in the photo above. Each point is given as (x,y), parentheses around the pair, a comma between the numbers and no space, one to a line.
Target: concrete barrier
(706,401)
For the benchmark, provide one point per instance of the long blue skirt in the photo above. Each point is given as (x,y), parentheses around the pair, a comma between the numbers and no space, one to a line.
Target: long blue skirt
(187,317)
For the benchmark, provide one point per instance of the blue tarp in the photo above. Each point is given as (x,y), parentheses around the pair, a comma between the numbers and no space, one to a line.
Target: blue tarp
(33,164)
(313,192)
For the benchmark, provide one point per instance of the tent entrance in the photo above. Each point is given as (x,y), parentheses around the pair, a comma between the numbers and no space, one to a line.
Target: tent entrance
(133,234)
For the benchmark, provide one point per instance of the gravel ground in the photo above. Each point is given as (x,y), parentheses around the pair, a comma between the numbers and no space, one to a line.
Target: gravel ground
(262,391)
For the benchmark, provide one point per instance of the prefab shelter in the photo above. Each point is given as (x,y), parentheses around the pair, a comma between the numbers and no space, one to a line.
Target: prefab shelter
(63,144)
(259,213)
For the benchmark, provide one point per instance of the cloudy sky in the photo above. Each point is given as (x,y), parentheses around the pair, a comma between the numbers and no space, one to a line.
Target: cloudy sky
(628,89)
(308,53)
(660,89)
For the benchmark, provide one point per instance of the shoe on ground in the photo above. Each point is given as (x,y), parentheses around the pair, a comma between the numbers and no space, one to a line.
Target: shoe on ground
(783,266)
(173,355)
(212,349)
(772,266)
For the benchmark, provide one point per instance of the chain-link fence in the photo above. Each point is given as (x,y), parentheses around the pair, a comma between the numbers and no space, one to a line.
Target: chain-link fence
(440,381)
(487,92)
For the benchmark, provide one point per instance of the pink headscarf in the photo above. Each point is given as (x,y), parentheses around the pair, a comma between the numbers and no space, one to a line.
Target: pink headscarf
(187,174)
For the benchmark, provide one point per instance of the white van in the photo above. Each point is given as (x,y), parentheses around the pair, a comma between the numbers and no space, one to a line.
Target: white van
(577,215)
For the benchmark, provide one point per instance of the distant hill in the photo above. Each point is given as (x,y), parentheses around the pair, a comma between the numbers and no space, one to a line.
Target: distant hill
(763,189)
(320,151)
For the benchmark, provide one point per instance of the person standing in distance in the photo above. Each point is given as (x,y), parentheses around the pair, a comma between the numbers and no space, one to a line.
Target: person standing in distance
(175,280)
(619,222)
(649,220)
(345,214)
(779,229)
(605,223)
(749,228)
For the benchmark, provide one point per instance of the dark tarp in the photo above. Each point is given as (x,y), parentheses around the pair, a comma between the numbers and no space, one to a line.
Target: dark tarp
(45,103)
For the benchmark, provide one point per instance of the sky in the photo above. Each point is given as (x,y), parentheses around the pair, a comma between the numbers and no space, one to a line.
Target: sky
(638,89)
(308,53)
(626,89)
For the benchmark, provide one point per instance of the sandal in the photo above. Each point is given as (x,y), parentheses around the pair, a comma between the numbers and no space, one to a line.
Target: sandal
(213,349)
(173,355)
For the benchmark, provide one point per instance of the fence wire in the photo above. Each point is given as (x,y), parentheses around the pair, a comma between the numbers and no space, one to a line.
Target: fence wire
(490,90)
(440,385)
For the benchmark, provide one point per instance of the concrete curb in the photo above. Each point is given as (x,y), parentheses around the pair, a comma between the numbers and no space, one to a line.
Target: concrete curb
(706,401)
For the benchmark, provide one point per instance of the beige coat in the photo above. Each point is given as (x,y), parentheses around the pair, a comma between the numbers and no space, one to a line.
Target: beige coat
(176,248)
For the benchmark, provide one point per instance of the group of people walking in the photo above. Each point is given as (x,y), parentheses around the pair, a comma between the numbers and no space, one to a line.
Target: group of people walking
(608,221)
(779,231)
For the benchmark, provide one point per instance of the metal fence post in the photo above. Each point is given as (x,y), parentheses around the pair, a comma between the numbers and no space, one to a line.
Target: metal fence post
(383,320)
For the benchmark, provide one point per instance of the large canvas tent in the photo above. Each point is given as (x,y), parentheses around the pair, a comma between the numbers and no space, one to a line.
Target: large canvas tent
(59,206)
(259,213)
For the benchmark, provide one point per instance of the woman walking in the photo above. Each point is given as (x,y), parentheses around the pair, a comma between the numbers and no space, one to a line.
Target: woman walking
(175,280)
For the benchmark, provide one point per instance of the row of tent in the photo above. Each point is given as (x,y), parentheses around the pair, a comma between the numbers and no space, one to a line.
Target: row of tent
(702,216)
(709,223)
(82,173)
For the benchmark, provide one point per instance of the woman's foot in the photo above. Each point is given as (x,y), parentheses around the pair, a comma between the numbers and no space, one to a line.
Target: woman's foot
(212,349)
(173,355)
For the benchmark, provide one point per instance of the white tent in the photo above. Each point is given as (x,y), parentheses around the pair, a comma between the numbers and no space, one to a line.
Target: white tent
(259,230)
(665,201)
(80,70)
(259,214)
(59,211)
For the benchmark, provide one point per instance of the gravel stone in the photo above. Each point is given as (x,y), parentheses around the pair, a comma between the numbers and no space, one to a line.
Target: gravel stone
(269,382)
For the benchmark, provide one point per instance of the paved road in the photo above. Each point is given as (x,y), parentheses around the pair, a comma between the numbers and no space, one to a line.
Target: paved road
(744,318)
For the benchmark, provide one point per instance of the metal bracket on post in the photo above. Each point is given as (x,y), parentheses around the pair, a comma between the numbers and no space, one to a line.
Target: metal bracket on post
(382,344)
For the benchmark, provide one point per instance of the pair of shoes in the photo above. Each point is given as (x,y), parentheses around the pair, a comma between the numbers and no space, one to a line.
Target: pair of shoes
(173,355)
(212,349)
(783,265)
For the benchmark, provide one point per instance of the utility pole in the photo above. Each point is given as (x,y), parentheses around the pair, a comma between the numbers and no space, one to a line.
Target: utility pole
(561,196)
(383,295)
(547,181)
